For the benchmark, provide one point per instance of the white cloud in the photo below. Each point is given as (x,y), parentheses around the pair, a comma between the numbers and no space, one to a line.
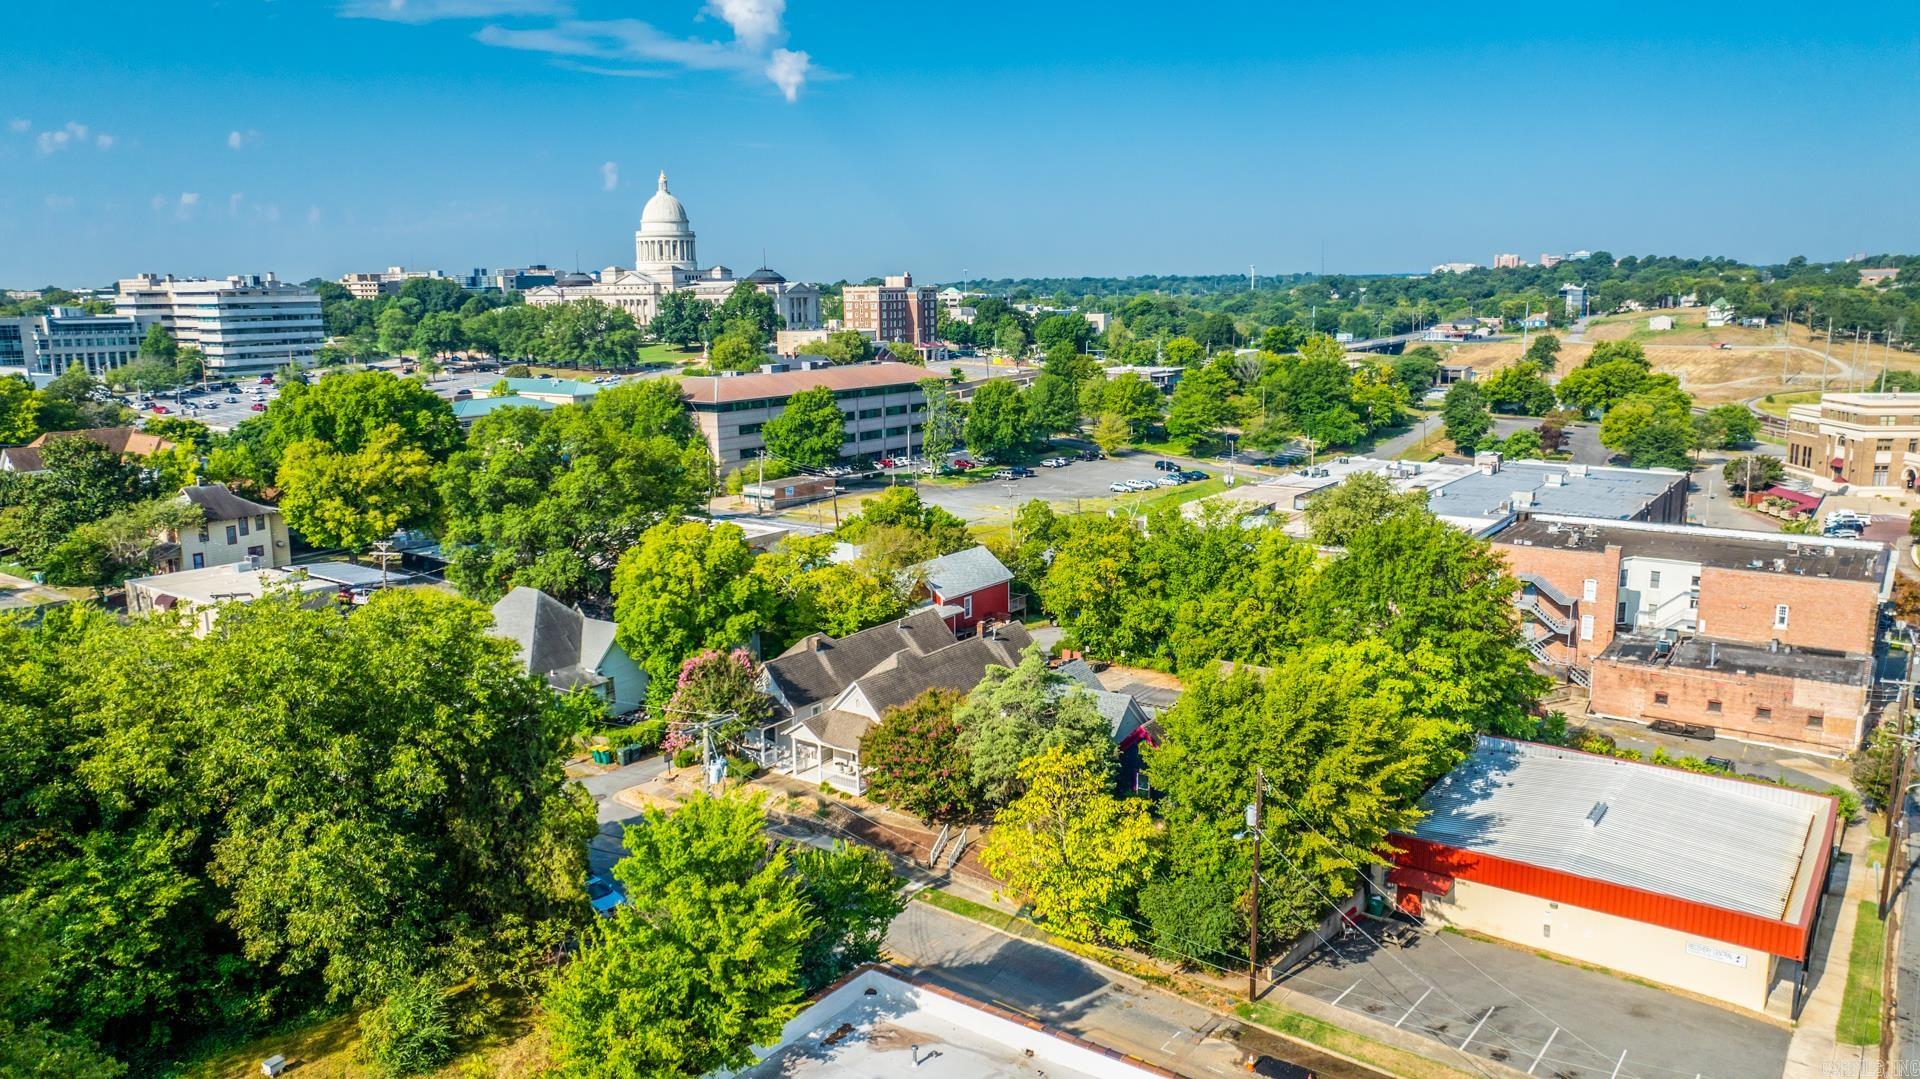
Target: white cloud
(267,213)
(73,134)
(631,47)
(756,23)
(159,202)
(233,203)
(183,211)
(788,70)
(610,176)
(19,126)
(237,140)
(313,215)
(419,11)
(59,202)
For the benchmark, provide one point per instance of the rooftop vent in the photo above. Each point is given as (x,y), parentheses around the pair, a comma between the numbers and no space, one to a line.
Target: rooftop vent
(1576,470)
(1594,815)
(1555,479)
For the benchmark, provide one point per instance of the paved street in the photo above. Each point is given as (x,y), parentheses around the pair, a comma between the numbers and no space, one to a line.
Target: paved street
(1514,1007)
(1073,995)
(1766,762)
(993,501)
(606,847)
(1906,992)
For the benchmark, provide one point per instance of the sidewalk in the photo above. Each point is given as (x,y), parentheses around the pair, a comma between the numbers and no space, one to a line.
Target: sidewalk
(1813,1053)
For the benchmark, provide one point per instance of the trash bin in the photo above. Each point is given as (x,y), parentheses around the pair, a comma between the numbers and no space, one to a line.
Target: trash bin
(629,754)
(1376,905)
(602,755)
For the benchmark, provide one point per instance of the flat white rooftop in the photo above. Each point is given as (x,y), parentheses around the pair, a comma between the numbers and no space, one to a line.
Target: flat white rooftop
(878,1025)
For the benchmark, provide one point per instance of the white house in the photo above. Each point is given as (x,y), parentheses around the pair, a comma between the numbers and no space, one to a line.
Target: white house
(1660,322)
(235,530)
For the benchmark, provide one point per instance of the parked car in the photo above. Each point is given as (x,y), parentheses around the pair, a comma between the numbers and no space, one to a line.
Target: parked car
(1021,472)
(266,380)
(1172,479)
(1193,474)
(1003,474)
(161,410)
(962,463)
(1055,462)
(257,406)
(1166,466)
(1141,485)
(1120,487)
(230,399)
(603,895)
(1090,455)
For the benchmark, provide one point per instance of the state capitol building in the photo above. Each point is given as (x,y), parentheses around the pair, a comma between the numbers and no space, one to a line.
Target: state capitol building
(664,261)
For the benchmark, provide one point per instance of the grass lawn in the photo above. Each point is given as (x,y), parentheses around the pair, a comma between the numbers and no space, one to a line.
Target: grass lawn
(1860,1008)
(1345,1042)
(1776,404)
(1146,502)
(329,1048)
(1877,846)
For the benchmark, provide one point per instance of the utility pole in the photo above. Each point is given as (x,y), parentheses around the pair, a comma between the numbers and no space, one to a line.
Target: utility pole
(383,553)
(1254,813)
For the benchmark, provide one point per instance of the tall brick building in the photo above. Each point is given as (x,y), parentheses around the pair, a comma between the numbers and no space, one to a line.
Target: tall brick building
(898,310)
(1761,636)
(1857,440)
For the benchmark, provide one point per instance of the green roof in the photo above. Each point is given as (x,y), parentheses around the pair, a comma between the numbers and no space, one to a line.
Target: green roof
(477,407)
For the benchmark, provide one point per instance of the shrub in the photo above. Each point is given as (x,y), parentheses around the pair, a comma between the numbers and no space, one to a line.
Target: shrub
(741,768)
(409,1032)
(647,735)
(686,757)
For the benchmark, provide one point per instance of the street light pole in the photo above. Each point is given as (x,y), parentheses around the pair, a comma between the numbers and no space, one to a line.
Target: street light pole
(1254,813)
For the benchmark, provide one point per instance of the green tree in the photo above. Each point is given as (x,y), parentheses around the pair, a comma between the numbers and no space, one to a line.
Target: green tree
(588,333)
(1135,400)
(702,962)
(913,760)
(681,320)
(1522,445)
(818,595)
(1543,352)
(853,897)
(749,312)
(1017,711)
(436,335)
(1073,852)
(841,347)
(355,499)
(902,508)
(1652,429)
(19,411)
(1054,407)
(1595,388)
(410,1031)
(1607,352)
(1518,389)
(119,546)
(394,327)
(1466,415)
(1737,425)
(945,425)
(685,587)
(1111,433)
(809,431)
(347,411)
(1201,405)
(550,500)
(159,344)
(997,418)
(1417,369)
(1361,500)
(1183,352)
(735,352)
(82,481)
(905,352)
(1752,472)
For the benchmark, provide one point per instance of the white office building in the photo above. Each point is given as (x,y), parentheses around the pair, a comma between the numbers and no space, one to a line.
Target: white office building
(243,324)
(43,346)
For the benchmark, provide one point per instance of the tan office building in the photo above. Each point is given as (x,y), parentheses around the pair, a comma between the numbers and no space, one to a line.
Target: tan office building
(1867,441)
(883,405)
(898,310)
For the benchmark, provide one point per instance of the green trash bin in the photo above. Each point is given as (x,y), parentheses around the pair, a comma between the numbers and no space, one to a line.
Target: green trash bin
(629,754)
(1376,905)
(602,755)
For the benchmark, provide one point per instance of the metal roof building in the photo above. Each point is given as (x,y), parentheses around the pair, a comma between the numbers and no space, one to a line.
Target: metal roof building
(1703,882)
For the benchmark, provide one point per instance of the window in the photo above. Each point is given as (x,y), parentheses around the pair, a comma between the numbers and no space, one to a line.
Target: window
(243,526)
(1816,720)
(203,533)
(966,607)
(1696,582)
(1714,707)
(1693,603)
(1659,698)
(1779,616)
(749,428)
(1623,576)
(1589,590)
(1653,581)
(1763,714)
(256,552)
(232,536)
(1620,614)
(260,522)
(1586,627)
(200,560)
(1884,445)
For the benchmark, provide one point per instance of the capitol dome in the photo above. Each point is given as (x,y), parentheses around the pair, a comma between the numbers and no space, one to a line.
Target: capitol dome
(663,245)
(663,208)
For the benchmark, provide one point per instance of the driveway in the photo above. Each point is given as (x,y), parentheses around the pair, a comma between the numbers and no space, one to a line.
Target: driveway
(1539,1015)
(608,846)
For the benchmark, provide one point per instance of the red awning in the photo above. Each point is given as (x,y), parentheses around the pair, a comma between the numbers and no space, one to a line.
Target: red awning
(1839,462)
(1801,499)
(1420,880)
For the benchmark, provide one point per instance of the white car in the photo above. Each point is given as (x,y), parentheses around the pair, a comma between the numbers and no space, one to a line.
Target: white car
(1140,485)
(1055,462)
(1119,487)
(1172,479)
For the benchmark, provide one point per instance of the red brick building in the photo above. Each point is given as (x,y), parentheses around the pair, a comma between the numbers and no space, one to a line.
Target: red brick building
(1761,636)
(897,310)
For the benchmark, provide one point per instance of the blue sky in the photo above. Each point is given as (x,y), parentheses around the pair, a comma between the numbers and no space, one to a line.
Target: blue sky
(851,138)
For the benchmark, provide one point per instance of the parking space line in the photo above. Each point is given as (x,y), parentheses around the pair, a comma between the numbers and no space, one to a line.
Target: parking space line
(1348,989)
(1543,1050)
(1476,1027)
(1412,1006)
(1618,1064)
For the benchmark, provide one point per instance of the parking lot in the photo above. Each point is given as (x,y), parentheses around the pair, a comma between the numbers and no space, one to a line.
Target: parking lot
(1067,488)
(1538,1015)
(212,408)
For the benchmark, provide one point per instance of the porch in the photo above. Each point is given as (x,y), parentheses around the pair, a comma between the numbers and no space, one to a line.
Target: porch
(826,749)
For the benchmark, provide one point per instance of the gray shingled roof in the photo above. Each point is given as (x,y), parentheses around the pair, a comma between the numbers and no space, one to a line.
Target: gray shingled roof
(220,504)
(965,571)
(841,730)
(556,642)
(906,675)
(817,668)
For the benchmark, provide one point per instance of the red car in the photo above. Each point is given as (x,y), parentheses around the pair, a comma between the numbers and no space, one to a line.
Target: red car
(266,380)
(962,464)
(259,406)
(160,410)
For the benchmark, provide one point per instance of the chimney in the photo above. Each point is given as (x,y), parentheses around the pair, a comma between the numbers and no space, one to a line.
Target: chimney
(1487,461)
